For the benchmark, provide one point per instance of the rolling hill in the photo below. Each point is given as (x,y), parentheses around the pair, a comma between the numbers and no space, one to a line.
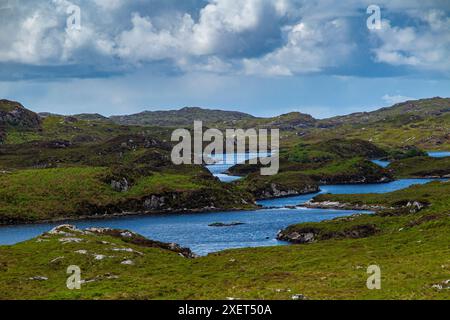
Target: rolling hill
(182,117)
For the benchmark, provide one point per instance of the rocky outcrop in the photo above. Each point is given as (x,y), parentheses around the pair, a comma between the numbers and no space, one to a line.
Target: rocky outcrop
(278,190)
(221,224)
(124,235)
(14,114)
(194,201)
(299,237)
(136,239)
(399,207)
(304,235)
(342,206)
(120,185)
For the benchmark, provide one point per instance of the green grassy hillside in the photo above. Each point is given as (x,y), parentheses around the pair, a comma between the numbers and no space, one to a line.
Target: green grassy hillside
(411,249)
(75,192)
(419,167)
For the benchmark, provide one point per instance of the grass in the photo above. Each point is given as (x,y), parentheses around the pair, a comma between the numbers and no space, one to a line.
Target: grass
(78,131)
(428,134)
(435,193)
(45,193)
(421,167)
(412,259)
(41,194)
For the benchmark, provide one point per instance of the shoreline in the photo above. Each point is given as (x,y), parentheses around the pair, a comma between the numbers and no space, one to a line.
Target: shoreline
(336,205)
(128,214)
(309,204)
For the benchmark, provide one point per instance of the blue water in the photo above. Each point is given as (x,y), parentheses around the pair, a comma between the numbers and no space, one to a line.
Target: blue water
(346,189)
(192,230)
(382,163)
(439,154)
(433,154)
(225,162)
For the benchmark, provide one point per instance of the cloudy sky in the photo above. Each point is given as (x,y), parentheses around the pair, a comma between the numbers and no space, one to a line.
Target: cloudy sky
(264,57)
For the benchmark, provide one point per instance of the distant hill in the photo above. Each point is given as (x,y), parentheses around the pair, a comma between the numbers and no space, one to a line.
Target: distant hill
(90,117)
(287,122)
(405,112)
(182,117)
(422,123)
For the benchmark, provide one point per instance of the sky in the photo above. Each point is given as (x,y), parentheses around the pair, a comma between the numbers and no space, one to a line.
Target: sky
(263,57)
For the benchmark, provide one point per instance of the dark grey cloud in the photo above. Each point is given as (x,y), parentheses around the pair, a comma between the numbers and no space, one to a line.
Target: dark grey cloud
(253,37)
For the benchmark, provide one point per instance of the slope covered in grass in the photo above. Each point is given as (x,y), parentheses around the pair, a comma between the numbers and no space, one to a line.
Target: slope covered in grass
(75,192)
(412,252)
(421,167)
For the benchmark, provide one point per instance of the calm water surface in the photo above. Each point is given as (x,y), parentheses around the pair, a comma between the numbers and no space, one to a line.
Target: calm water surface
(439,154)
(191,230)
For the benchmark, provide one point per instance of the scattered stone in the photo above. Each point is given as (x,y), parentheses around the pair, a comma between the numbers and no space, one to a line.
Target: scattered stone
(127,250)
(99,256)
(127,262)
(415,206)
(81,251)
(282,290)
(444,285)
(57,259)
(127,234)
(39,278)
(66,230)
(107,276)
(299,297)
(98,230)
(71,240)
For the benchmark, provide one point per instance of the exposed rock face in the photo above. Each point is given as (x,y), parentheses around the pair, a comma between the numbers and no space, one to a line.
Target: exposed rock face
(301,236)
(415,206)
(275,190)
(342,206)
(124,235)
(121,185)
(308,235)
(14,114)
(201,200)
(221,224)
(134,238)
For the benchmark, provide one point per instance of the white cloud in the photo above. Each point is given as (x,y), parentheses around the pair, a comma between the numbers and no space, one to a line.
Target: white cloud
(144,42)
(35,41)
(424,46)
(253,37)
(308,48)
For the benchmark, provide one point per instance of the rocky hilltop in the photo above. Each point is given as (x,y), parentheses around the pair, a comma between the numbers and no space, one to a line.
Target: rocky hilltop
(183,117)
(15,116)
